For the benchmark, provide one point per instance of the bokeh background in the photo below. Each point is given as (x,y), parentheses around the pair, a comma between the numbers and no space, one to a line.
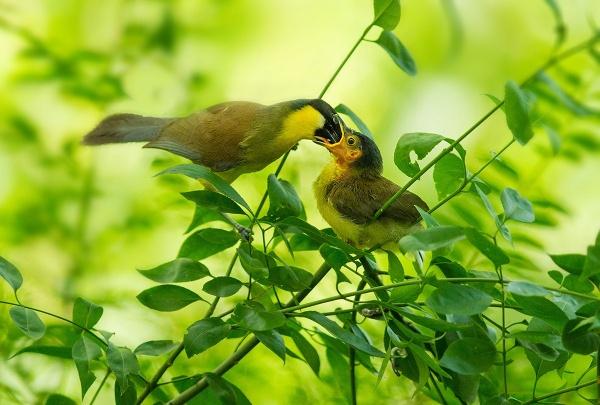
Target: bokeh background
(79,221)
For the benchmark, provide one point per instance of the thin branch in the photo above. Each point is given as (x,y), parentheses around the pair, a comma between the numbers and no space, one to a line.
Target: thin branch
(100,387)
(351,349)
(559,392)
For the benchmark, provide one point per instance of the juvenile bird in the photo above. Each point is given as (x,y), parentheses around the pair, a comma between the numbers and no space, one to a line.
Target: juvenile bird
(231,138)
(351,189)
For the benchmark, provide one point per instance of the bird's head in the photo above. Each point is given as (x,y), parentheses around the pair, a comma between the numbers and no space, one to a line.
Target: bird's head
(353,150)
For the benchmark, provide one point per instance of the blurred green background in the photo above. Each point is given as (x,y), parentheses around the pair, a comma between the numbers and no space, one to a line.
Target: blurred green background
(78,221)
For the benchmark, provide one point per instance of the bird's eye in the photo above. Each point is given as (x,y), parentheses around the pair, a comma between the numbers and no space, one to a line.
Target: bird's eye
(351,141)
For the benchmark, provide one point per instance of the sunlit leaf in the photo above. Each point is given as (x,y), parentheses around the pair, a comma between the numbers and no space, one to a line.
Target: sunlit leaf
(397,51)
(579,336)
(290,278)
(431,238)
(253,316)
(492,212)
(274,341)
(386,13)
(215,201)
(155,348)
(283,200)
(177,271)
(86,313)
(27,321)
(225,391)
(420,143)
(485,246)
(448,175)
(395,269)
(526,289)
(309,353)
(58,399)
(517,113)
(255,262)
(84,351)
(167,298)
(123,363)
(10,273)
(572,263)
(515,206)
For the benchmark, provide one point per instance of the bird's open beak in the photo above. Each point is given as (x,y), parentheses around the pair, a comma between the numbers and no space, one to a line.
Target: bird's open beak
(336,148)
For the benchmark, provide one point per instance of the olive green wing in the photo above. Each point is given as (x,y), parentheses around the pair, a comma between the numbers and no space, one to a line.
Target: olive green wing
(358,198)
(212,137)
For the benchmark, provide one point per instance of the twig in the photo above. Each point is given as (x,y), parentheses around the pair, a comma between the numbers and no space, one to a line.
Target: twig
(559,392)
(352,350)
(100,387)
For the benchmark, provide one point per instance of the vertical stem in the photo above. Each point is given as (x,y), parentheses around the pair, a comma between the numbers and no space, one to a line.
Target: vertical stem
(504,375)
(352,350)
(100,387)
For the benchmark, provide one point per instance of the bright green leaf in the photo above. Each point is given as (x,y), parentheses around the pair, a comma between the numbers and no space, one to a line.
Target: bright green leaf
(177,271)
(386,13)
(274,342)
(213,200)
(222,286)
(458,299)
(123,363)
(469,356)
(204,334)
(253,316)
(167,298)
(516,207)
(517,113)
(420,143)
(448,175)
(58,399)
(28,322)
(397,51)
(431,238)
(526,289)
(309,353)
(206,242)
(155,348)
(10,273)
(283,200)
(85,313)
(487,247)
(290,278)
(395,269)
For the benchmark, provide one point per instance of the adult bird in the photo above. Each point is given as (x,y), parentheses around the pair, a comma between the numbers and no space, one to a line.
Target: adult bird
(230,138)
(351,189)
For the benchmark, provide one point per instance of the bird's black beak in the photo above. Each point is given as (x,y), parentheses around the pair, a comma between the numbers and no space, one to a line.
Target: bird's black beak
(331,133)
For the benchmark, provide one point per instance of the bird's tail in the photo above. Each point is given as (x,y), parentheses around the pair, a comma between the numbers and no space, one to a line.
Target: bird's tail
(120,128)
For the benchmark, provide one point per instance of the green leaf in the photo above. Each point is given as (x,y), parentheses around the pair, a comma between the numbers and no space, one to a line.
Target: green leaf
(430,221)
(61,352)
(517,112)
(526,289)
(412,367)
(207,242)
(516,207)
(397,51)
(432,323)
(283,200)
(58,399)
(123,363)
(343,334)
(295,225)
(541,367)
(204,334)
(542,308)
(362,127)
(28,322)
(253,316)
(255,262)
(487,247)
(572,263)
(574,283)
(334,257)
(222,286)
(405,294)
(309,353)
(10,273)
(226,392)
(167,298)
(177,271)
(578,336)
(125,395)
(395,269)
(458,299)
(386,13)
(290,278)
(431,238)
(591,266)
(274,342)
(203,215)
(490,209)
(85,313)
(84,351)
(214,201)
(200,172)
(155,348)
(469,356)
(448,175)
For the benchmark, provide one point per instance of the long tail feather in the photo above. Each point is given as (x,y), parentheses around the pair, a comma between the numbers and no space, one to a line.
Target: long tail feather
(121,128)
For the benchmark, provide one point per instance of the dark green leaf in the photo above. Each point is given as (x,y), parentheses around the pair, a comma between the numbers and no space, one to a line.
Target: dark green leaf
(214,201)
(386,13)
(541,367)
(448,175)
(222,286)
(295,225)
(57,399)
(516,207)
(577,284)
(420,143)
(469,356)
(300,242)
(591,265)
(397,51)
(85,350)
(579,336)
(226,392)
(255,263)
(542,308)
(125,395)
(85,313)
(343,334)
(556,276)
(177,271)
(204,334)
(404,362)
(458,299)
(526,289)
(61,352)
(200,172)
(253,316)
(274,341)
(290,278)
(203,215)
(431,238)
(362,127)
(123,363)
(167,297)
(485,246)
(155,348)
(395,269)
(405,294)
(492,212)
(283,200)
(10,273)
(432,323)
(28,322)
(309,353)
(335,257)
(517,113)
(572,263)
(206,242)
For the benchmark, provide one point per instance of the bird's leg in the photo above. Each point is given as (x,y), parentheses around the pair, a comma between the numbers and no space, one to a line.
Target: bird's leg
(245,233)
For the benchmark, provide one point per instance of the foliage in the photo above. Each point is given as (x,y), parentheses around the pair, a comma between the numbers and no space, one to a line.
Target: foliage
(436,313)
